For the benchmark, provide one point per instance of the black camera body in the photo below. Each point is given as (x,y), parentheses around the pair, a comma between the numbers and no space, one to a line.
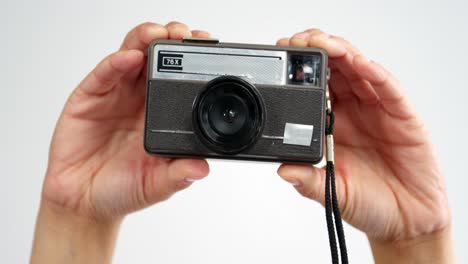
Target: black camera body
(207,99)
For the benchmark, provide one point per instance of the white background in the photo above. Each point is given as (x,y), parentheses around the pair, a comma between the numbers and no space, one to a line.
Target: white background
(243,212)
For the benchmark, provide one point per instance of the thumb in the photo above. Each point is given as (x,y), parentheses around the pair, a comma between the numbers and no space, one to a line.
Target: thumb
(309,181)
(175,175)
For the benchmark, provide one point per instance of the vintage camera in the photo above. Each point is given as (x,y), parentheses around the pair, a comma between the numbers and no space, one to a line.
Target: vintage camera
(235,101)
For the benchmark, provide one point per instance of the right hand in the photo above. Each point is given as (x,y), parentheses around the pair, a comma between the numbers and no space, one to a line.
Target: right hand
(98,168)
(389,182)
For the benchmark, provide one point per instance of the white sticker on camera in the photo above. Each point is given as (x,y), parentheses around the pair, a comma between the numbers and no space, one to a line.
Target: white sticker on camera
(298,134)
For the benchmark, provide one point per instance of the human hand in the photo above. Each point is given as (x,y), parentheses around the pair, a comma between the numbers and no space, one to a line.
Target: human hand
(389,182)
(98,170)
(97,165)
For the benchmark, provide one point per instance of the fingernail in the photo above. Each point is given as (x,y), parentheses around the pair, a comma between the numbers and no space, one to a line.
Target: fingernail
(294,182)
(301,35)
(190,180)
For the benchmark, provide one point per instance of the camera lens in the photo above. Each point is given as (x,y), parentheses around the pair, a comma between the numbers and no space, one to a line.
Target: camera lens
(228,115)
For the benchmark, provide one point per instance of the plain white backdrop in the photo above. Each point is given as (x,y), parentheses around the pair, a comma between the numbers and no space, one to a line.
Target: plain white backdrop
(243,212)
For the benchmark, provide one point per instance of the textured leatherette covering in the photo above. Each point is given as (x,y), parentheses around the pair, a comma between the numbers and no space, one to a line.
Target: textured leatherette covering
(169,108)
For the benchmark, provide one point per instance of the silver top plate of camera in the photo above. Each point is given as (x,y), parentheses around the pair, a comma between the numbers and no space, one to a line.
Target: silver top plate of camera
(206,63)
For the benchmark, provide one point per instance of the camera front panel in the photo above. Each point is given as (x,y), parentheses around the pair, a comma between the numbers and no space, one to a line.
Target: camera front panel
(291,87)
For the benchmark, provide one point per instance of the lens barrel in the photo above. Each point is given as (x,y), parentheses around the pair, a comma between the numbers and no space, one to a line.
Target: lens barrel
(228,115)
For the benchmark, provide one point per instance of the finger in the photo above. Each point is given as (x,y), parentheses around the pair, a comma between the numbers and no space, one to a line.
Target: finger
(178,30)
(314,31)
(343,62)
(339,55)
(322,40)
(173,23)
(174,175)
(175,34)
(283,42)
(200,34)
(363,90)
(309,181)
(339,86)
(175,30)
(316,38)
(140,37)
(109,71)
(349,47)
(299,39)
(183,172)
(385,86)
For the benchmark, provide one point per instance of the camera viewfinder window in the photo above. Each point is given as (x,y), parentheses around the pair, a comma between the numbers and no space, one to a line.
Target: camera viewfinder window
(304,69)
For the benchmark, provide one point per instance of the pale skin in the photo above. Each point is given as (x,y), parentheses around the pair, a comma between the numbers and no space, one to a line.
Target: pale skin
(389,183)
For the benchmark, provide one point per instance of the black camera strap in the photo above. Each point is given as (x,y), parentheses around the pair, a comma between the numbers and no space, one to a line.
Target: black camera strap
(332,210)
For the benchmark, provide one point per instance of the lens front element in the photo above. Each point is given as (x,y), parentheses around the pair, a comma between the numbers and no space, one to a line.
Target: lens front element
(228,115)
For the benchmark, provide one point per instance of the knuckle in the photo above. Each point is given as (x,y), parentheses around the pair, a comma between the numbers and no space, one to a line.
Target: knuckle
(142,29)
(318,40)
(146,24)
(146,31)
(339,38)
(314,31)
(201,33)
(298,42)
(175,24)
(282,41)
(350,47)
(179,27)
(318,36)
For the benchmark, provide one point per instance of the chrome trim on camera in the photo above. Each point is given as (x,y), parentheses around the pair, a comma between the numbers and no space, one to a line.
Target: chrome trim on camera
(328,106)
(186,132)
(272,137)
(298,134)
(205,63)
(330,148)
(172,131)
